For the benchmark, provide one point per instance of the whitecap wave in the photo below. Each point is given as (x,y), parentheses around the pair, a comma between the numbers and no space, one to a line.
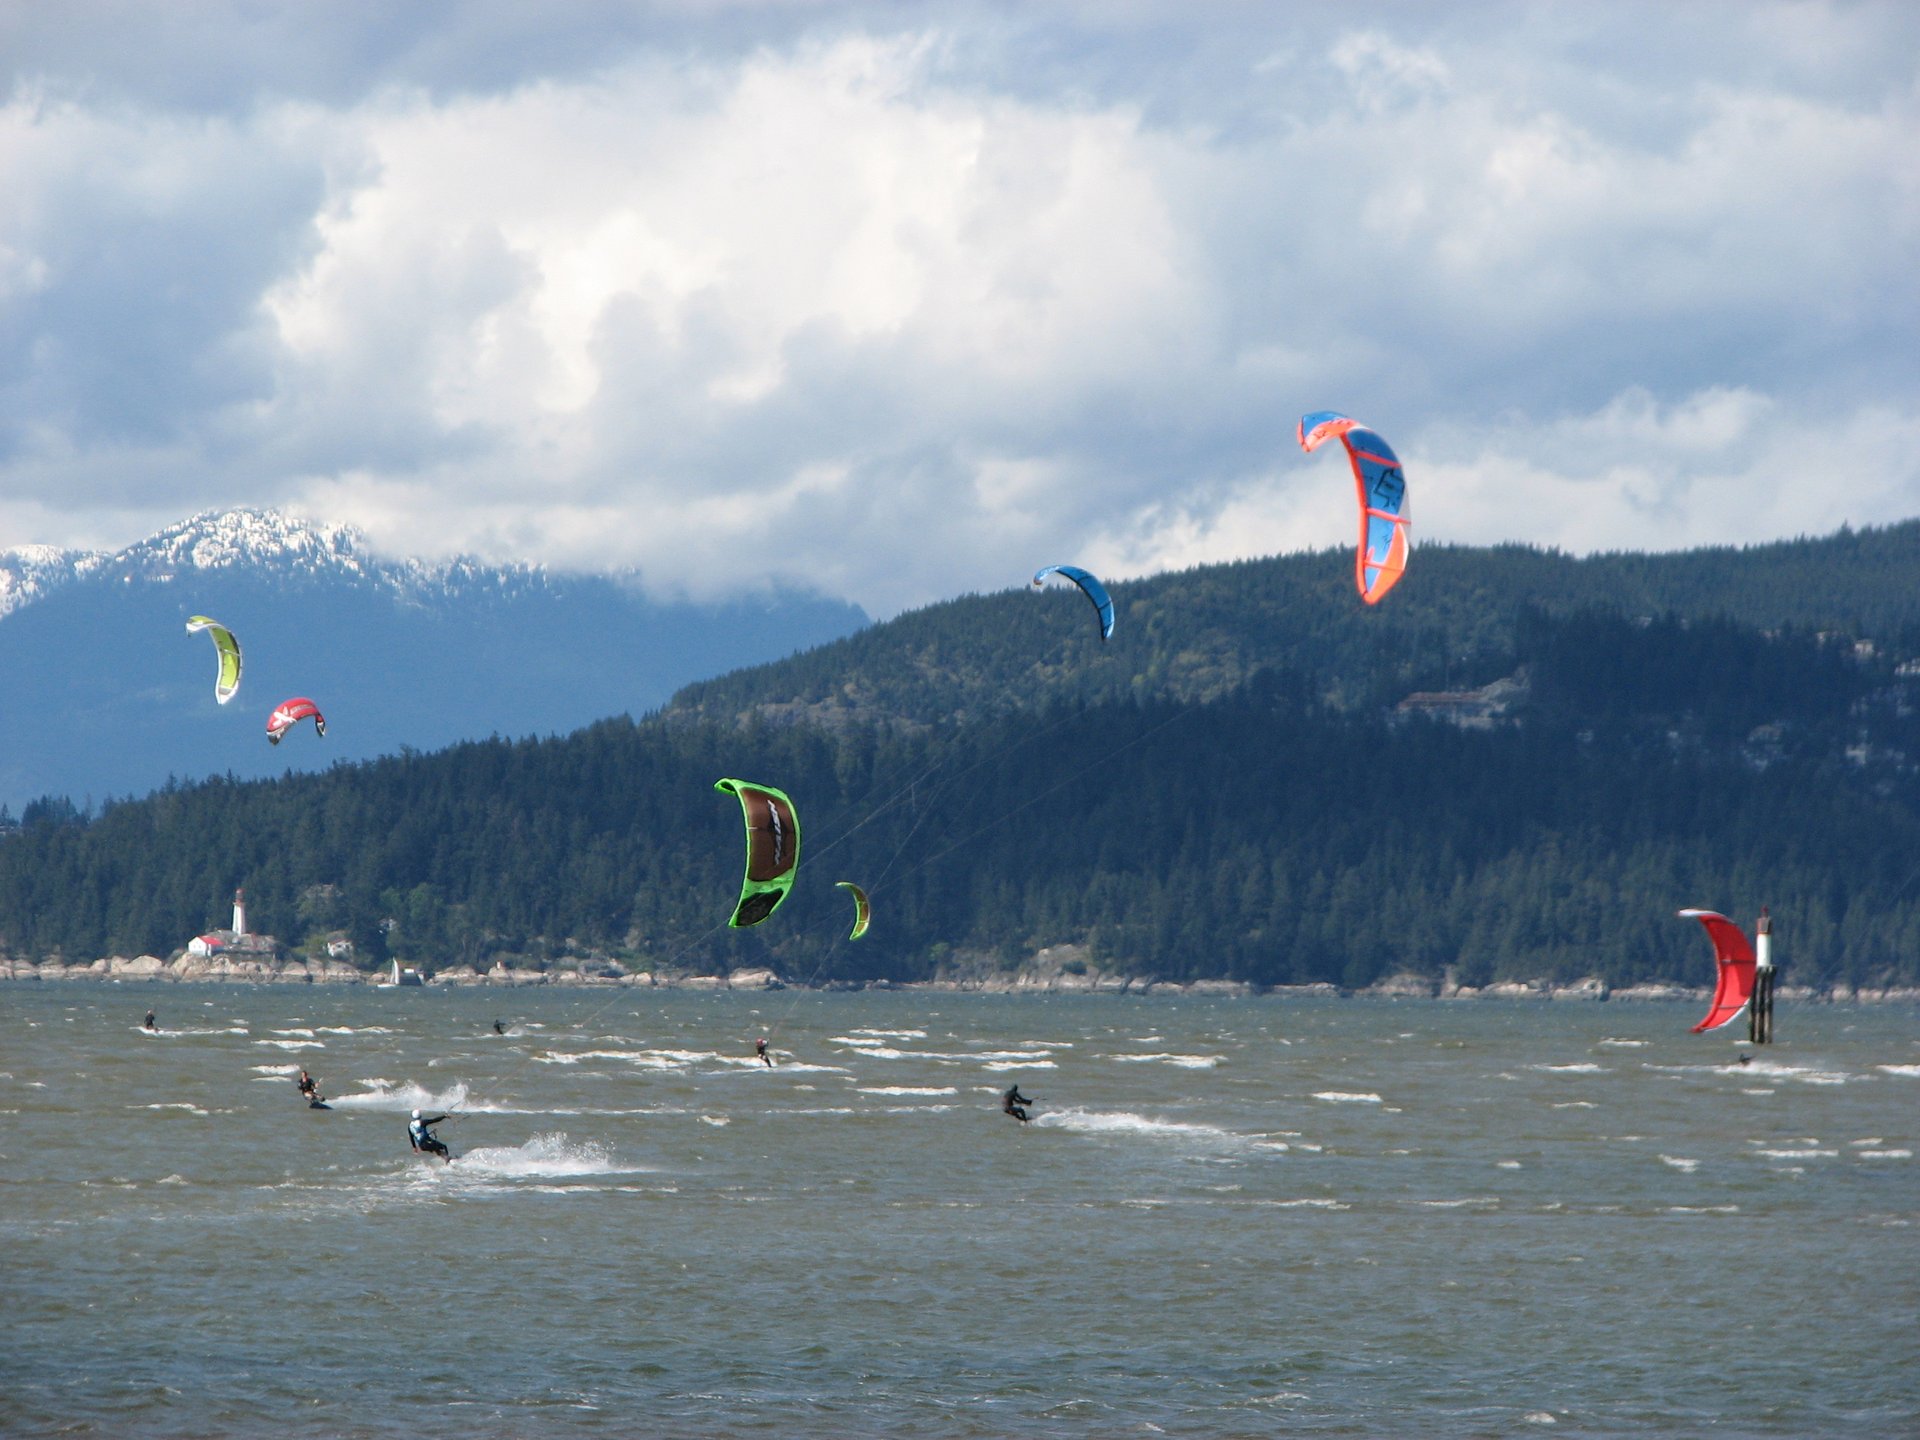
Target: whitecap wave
(1622,1044)
(408,1096)
(1020,1065)
(1912,1071)
(1347,1097)
(1127,1122)
(1184,1062)
(294,1044)
(907,1090)
(544,1157)
(1683,1163)
(1886,1154)
(275,1069)
(1579,1067)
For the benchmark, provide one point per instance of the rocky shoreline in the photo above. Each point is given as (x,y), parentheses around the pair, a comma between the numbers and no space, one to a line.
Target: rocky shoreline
(1037,980)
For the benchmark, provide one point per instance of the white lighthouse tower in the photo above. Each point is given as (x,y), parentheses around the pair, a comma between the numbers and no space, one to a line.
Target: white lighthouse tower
(239,913)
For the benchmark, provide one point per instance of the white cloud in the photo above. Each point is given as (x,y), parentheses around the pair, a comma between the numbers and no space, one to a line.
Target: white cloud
(902,308)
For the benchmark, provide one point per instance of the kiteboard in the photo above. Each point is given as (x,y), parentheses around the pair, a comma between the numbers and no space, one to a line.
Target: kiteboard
(318,1105)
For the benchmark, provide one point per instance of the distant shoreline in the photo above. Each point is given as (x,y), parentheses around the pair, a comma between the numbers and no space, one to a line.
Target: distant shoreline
(198,971)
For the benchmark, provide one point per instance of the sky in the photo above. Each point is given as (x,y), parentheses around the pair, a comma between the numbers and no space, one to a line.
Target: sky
(899,301)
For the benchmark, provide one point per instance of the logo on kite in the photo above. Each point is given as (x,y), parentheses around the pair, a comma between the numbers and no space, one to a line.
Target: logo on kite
(862,911)
(227,679)
(1382,487)
(773,850)
(1733,954)
(289,713)
(1090,586)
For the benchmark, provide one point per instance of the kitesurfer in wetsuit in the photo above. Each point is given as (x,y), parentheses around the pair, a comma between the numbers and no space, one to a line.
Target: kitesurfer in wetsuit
(309,1087)
(1015,1104)
(760,1049)
(420,1135)
(152,1024)
(498,1028)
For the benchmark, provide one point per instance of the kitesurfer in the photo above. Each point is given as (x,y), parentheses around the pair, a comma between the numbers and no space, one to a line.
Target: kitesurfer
(420,1135)
(498,1028)
(760,1049)
(309,1087)
(1746,1059)
(1015,1104)
(152,1024)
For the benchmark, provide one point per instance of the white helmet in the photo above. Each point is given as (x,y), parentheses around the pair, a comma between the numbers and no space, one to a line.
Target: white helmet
(416,1114)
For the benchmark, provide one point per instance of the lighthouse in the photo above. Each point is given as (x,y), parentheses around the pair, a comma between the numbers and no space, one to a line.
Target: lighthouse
(239,913)
(1760,1008)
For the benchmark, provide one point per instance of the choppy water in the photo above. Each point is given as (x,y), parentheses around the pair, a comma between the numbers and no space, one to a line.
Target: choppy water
(1231,1218)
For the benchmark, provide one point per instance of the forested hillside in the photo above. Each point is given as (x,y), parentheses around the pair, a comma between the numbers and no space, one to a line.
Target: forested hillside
(1458,620)
(1188,801)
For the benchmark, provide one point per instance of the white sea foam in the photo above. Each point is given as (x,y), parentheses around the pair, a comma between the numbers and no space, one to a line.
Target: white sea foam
(716,1120)
(1126,1122)
(886,1035)
(300,1030)
(294,1044)
(1800,1154)
(408,1096)
(1682,1163)
(350,1030)
(1575,1105)
(1184,1062)
(1911,1071)
(1020,1065)
(1309,1204)
(1506,1164)
(275,1069)
(907,1090)
(1886,1154)
(1581,1067)
(1623,1044)
(172,1105)
(543,1157)
(1347,1097)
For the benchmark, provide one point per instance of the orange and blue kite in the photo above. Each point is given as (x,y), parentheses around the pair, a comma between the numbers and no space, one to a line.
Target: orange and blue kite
(1384,522)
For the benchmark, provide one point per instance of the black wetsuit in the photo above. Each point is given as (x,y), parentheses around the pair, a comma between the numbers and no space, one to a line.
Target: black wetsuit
(420,1135)
(309,1086)
(152,1024)
(1014,1103)
(760,1049)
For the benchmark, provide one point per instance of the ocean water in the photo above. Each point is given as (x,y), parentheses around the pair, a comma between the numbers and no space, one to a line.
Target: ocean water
(1229,1217)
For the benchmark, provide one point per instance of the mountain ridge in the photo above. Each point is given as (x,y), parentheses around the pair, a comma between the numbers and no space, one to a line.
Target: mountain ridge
(102,697)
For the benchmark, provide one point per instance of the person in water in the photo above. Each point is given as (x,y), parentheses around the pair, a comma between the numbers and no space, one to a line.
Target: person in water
(420,1135)
(152,1024)
(498,1028)
(760,1049)
(1015,1104)
(309,1087)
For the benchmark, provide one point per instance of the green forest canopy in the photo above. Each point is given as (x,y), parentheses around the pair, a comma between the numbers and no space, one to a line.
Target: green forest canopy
(1226,790)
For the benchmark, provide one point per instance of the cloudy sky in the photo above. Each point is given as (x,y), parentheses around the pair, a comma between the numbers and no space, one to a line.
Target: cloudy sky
(900,300)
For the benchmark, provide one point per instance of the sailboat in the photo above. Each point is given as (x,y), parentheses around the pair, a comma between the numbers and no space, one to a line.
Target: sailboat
(398,977)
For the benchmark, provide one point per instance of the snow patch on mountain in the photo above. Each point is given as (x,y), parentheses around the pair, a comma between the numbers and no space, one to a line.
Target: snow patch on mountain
(32,571)
(244,539)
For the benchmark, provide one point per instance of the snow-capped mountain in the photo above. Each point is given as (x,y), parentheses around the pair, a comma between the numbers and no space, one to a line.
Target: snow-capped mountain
(103,693)
(32,571)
